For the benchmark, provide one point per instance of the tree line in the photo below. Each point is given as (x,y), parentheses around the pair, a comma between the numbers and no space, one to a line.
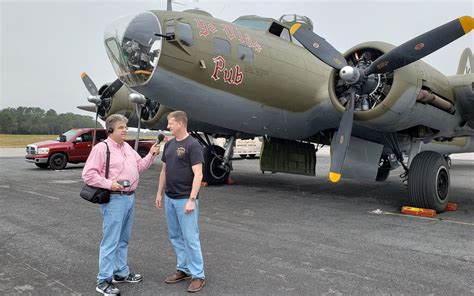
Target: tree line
(34,120)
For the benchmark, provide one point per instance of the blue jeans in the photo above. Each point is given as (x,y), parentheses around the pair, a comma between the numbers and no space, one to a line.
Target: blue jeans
(183,232)
(117,230)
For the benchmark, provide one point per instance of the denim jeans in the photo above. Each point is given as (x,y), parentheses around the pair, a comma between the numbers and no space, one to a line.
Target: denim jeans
(183,232)
(117,230)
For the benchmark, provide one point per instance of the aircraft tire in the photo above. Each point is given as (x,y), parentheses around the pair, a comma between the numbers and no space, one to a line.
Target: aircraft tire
(212,174)
(42,165)
(428,181)
(57,161)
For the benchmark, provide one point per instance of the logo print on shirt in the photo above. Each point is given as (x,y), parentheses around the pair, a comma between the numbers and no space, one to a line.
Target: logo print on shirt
(180,151)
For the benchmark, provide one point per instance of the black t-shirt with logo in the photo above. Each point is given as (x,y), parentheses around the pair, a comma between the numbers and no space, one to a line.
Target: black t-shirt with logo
(179,157)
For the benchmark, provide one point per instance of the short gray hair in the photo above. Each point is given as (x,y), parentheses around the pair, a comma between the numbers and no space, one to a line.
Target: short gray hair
(113,119)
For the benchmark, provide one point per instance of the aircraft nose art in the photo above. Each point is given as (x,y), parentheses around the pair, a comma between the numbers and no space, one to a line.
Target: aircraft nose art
(133,44)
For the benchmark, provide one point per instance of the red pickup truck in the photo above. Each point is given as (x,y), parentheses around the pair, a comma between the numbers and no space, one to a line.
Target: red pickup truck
(73,146)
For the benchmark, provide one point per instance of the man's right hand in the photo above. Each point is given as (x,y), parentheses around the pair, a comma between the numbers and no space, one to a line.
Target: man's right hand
(158,200)
(116,186)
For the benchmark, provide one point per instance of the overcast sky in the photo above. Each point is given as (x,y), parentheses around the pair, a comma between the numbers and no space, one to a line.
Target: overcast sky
(46,45)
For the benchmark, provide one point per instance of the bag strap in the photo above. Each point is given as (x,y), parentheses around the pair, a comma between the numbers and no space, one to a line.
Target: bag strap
(107,161)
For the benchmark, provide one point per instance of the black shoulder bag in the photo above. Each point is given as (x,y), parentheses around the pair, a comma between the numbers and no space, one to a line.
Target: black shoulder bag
(96,194)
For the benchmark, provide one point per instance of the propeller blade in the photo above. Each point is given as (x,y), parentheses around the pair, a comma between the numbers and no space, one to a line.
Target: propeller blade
(343,136)
(111,89)
(421,46)
(319,47)
(89,108)
(89,84)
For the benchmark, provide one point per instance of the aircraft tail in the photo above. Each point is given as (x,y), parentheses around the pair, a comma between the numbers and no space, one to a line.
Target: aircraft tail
(466,62)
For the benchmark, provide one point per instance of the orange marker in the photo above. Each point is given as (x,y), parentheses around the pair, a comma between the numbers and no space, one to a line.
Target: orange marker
(229,181)
(419,212)
(451,206)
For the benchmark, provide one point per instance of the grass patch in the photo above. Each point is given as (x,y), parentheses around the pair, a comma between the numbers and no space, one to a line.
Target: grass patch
(20,141)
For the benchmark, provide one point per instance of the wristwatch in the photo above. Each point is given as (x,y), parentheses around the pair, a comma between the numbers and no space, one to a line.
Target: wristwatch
(192,198)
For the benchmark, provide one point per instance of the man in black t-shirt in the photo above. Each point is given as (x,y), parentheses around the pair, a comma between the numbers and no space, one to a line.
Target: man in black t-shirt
(181,177)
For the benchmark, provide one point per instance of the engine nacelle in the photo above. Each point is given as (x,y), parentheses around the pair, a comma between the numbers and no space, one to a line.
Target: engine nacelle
(118,103)
(155,116)
(393,101)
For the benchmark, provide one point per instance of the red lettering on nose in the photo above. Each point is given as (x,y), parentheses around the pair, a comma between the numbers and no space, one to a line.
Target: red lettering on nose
(228,31)
(219,65)
(228,73)
(203,30)
(231,76)
(239,76)
(241,36)
(212,28)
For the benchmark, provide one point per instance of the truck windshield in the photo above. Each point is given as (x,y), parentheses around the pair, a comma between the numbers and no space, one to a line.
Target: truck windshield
(69,134)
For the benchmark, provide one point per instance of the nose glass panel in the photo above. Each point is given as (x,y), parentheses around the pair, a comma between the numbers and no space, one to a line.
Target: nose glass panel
(133,47)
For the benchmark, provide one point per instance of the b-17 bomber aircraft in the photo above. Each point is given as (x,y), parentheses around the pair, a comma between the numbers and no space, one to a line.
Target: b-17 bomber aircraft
(377,105)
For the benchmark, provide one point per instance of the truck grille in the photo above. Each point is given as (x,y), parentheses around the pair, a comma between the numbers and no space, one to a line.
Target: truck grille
(30,150)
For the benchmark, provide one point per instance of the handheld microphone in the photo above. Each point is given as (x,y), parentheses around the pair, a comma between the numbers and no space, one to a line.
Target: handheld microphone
(161,137)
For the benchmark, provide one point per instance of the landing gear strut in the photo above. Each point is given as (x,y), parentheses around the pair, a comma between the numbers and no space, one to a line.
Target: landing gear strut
(427,174)
(217,160)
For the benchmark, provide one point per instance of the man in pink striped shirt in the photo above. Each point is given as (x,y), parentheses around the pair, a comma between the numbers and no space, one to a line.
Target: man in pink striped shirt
(125,165)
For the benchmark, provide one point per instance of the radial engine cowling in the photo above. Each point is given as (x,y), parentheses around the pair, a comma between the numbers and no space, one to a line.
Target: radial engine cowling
(393,101)
(118,103)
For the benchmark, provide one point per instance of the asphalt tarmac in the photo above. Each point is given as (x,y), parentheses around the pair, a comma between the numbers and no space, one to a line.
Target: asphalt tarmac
(268,234)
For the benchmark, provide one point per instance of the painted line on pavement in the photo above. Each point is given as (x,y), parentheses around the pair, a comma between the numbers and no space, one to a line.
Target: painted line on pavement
(380,212)
(35,193)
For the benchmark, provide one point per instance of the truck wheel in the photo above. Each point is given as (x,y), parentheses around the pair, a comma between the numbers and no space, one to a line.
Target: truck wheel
(142,152)
(213,174)
(252,155)
(57,161)
(243,155)
(42,165)
(428,181)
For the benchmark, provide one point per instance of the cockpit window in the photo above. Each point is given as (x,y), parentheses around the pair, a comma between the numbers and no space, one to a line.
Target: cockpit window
(253,24)
(285,34)
(116,54)
(245,53)
(221,46)
(280,31)
(185,34)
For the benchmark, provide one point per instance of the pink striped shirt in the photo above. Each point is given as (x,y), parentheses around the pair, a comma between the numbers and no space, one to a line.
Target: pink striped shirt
(125,164)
